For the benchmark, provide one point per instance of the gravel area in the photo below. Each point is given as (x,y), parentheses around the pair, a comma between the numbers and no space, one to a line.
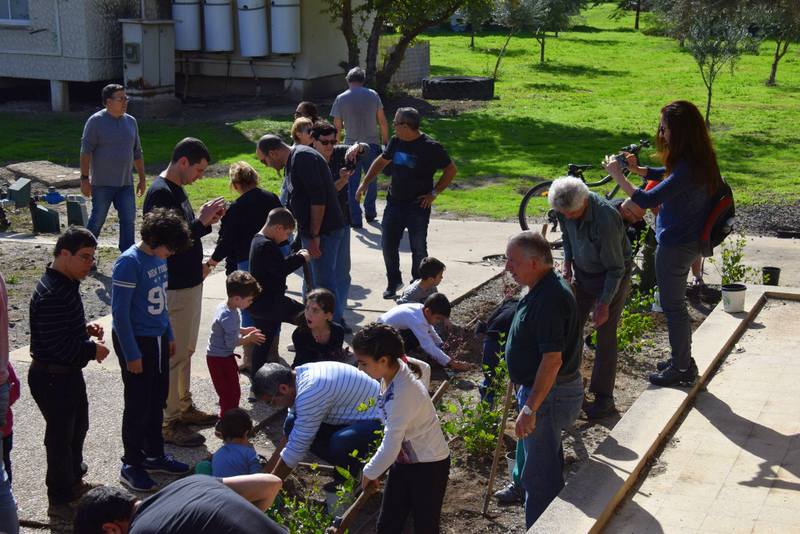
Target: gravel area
(764,220)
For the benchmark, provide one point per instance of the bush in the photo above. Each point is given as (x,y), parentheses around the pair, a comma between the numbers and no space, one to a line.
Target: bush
(477,422)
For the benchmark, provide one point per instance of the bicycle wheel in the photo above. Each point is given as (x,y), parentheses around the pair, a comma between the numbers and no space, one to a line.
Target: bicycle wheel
(535,214)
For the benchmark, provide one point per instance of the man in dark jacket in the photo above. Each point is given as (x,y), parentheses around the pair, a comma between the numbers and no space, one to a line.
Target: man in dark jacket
(186,272)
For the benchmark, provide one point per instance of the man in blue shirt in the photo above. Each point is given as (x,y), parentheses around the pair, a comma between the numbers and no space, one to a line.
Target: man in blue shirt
(144,343)
(110,145)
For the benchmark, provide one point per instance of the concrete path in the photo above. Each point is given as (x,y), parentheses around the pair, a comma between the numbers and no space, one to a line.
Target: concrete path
(734,464)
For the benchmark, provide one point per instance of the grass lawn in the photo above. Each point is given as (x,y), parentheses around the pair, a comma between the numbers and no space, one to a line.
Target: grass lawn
(601,87)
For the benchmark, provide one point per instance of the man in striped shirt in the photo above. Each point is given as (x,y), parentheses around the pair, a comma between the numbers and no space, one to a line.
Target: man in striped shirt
(61,346)
(332,412)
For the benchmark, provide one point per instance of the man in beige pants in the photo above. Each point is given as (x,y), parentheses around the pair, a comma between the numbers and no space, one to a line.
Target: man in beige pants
(186,272)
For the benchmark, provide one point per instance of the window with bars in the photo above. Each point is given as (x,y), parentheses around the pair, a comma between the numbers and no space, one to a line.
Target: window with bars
(14,11)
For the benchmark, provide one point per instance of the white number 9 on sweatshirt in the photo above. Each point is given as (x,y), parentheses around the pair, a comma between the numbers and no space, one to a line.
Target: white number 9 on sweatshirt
(156,301)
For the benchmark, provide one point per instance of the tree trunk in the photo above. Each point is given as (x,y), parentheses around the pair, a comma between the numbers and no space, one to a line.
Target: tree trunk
(391,63)
(373,44)
(353,52)
(776,58)
(472,40)
(502,53)
(541,49)
(708,107)
(638,10)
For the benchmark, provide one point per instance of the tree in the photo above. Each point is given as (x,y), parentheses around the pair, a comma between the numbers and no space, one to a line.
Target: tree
(477,13)
(716,32)
(782,23)
(637,6)
(536,16)
(366,19)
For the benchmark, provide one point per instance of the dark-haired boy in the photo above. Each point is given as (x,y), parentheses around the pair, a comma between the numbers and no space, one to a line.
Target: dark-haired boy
(144,343)
(199,503)
(186,272)
(416,323)
(227,333)
(431,272)
(270,268)
(60,349)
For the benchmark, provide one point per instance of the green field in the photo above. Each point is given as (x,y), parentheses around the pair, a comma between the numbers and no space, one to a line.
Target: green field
(601,88)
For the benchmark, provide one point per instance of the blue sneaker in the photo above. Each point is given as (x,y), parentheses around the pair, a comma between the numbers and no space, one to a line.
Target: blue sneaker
(167,464)
(136,479)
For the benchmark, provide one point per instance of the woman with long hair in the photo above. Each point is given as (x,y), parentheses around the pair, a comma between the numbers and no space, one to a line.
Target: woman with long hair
(691,177)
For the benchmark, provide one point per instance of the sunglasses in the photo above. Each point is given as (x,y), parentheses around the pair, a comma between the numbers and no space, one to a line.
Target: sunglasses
(327,142)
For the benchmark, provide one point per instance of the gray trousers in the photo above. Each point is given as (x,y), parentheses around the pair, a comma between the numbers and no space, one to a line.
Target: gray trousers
(672,268)
(604,372)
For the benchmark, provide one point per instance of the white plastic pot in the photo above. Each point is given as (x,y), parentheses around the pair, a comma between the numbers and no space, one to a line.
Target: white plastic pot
(733,297)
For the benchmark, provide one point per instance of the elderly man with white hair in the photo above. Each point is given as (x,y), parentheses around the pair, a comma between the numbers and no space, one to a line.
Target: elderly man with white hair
(597,260)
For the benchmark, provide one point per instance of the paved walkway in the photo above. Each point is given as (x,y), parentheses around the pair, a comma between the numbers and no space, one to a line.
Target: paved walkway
(734,463)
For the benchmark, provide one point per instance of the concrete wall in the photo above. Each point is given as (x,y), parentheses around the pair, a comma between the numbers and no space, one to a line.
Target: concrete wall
(416,63)
(62,41)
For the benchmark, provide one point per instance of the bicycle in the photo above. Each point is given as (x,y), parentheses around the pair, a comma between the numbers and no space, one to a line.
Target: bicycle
(533,198)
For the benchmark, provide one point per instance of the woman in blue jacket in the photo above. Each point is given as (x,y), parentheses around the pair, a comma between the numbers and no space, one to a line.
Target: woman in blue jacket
(692,177)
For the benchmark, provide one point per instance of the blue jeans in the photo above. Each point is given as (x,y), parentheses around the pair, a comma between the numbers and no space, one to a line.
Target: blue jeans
(372,190)
(332,269)
(124,201)
(334,443)
(542,477)
(397,217)
(247,319)
(672,267)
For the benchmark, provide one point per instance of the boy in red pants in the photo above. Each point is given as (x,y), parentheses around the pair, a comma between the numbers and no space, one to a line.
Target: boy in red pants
(227,334)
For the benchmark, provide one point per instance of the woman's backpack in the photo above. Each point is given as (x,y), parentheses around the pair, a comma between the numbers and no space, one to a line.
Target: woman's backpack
(720,221)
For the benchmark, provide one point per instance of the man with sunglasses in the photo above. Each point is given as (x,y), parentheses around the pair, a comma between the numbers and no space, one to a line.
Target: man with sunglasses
(61,346)
(110,146)
(415,158)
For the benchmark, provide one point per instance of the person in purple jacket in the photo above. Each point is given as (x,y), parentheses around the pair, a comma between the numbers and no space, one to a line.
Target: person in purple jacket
(692,178)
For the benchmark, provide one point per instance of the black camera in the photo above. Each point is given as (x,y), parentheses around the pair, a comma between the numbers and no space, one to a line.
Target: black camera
(350,165)
(622,161)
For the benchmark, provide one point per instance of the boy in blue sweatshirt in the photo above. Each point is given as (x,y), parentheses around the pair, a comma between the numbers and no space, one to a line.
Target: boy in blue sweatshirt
(143,342)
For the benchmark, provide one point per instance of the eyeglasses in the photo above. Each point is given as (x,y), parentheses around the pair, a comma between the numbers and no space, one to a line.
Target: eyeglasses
(87,258)
(326,142)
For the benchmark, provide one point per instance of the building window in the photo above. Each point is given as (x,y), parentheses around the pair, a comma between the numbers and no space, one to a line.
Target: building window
(14,11)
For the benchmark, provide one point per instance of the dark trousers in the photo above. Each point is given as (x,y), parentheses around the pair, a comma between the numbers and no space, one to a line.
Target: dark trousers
(604,372)
(8,442)
(335,443)
(62,400)
(416,489)
(285,310)
(145,398)
(410,341)
(397,217)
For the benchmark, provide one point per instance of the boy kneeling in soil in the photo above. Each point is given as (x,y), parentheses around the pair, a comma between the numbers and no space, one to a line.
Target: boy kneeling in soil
(415,323)
(413,448)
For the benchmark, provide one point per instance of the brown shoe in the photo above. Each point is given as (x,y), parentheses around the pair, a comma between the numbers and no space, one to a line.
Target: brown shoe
(62,512)
(181,435)
(193,416)
(82,488)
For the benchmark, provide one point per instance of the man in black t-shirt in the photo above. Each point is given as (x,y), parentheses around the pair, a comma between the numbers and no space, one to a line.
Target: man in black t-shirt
(415,158)
(199,503)
(186,272)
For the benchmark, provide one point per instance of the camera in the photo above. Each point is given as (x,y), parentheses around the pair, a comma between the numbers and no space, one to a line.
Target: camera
(350,165)
(622,161)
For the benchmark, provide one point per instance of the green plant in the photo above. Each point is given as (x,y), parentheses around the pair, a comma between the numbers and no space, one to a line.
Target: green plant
(12,279)
(301,515)
(635,321)
(731,265)
(477,422)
